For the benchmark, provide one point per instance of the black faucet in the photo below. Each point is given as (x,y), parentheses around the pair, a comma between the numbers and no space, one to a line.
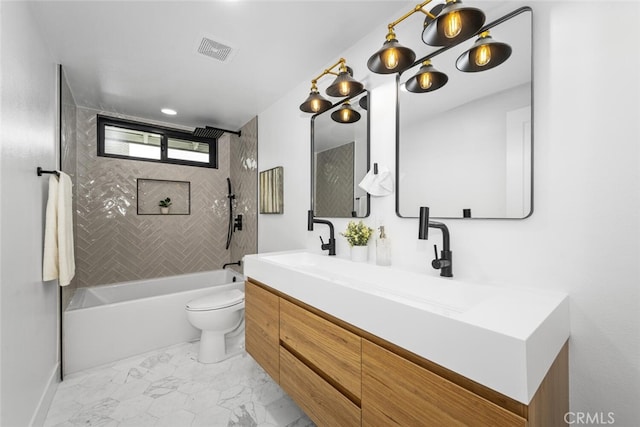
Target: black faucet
(445,262)
(331,246)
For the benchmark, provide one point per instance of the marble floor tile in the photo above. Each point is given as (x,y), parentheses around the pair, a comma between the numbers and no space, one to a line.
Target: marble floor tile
(170,388)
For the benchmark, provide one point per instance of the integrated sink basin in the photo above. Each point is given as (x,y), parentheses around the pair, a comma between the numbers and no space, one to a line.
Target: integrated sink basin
(505,338)
(438,296)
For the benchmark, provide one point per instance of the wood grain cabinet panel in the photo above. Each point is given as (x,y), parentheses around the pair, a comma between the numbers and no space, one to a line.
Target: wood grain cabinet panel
(327,347)
(318,399)
(397,392)
(262,323)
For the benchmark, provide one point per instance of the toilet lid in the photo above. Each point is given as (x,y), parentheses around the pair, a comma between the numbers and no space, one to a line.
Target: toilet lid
(217,300)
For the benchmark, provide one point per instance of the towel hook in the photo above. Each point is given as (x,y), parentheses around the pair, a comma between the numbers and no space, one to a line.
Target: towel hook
(375,169)
(40,171)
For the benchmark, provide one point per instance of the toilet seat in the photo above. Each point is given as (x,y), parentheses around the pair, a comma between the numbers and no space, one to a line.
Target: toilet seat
(216,301)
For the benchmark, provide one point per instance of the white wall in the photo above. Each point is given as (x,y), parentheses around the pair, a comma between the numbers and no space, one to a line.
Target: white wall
(28,307)
(584,235)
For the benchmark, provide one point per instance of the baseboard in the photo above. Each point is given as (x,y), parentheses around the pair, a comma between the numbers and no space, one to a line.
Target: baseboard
(49,392)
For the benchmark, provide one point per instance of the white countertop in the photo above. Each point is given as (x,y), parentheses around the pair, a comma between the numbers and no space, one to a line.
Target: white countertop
(504,338)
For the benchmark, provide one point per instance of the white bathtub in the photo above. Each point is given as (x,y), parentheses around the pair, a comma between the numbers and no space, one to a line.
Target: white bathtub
(106,323)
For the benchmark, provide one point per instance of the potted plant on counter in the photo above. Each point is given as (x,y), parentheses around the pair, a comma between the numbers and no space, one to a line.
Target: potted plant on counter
(164,205)
(358,235)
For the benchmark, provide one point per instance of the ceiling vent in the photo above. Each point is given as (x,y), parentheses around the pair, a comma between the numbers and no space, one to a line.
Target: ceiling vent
(215,50)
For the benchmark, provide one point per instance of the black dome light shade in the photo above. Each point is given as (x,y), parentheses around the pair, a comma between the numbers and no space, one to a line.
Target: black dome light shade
(454,24)
(315,103)
(344,85)
(485,54)
(391,58)
(427,79)
(345,114)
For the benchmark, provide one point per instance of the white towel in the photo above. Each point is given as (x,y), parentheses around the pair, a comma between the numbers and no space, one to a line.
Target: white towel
(58,260)
(380,184)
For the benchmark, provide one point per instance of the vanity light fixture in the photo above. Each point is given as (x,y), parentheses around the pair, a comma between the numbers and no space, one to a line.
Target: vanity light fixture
(427,79)
(343,86)
(453,24)
(315,103)
(345,114)
(392,57)
(445,25)
(485,54)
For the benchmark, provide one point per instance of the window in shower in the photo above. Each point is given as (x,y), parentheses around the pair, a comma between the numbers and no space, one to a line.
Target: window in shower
(126,139)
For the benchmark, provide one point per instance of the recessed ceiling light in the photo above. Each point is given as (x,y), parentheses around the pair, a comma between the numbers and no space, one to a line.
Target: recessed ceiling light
(169,111)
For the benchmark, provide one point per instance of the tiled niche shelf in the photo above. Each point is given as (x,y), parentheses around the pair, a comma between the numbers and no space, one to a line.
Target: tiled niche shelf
(151,191)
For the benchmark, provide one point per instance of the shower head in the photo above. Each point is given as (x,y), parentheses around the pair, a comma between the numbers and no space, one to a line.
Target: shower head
(208,132)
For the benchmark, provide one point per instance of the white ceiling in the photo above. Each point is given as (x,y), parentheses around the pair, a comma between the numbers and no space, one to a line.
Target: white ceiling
(136,57)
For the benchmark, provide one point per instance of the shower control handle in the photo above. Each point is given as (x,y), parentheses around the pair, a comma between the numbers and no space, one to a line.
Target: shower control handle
(237,224)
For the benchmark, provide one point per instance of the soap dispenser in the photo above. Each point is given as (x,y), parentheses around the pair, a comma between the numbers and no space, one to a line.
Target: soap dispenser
(383,248)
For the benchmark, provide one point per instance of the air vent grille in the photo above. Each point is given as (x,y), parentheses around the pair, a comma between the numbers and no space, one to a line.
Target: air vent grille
(214,49)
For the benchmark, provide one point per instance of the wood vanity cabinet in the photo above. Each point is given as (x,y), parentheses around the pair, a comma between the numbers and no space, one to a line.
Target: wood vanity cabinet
(262,328)
(398,392)
(343,376)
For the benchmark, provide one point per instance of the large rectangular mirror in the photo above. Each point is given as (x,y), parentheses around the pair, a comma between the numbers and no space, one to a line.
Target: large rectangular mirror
(339,161)
(465,150)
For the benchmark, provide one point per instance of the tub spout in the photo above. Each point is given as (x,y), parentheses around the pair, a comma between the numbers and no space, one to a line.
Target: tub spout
(238,263)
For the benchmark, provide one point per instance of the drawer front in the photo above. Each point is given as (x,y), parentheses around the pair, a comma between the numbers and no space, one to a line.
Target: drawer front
(262,319)
(317,398)
(398,392)
(330,349)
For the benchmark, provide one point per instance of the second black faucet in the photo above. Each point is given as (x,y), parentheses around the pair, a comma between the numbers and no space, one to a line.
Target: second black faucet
(445,262)
(331,245)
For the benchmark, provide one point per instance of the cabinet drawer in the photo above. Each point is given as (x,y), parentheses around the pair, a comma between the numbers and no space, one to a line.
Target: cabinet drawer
(327,347)
(262,337)
(319,400)
(395,391)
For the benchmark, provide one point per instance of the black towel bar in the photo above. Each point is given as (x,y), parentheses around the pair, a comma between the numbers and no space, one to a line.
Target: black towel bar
(40,171)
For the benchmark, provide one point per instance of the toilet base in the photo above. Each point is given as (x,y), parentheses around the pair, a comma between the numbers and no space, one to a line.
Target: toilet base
(213,347)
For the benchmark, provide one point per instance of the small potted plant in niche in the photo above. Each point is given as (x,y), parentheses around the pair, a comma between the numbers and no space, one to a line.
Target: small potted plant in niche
(164,205)
(358,235)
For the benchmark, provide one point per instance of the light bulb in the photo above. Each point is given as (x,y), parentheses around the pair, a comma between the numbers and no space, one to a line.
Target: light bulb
(452,24)
(343,88)
(346,114)
(315,105)
(425,80)
(483,55)
(390,58)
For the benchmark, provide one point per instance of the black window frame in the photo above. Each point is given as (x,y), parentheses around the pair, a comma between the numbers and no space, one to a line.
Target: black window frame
(165,133)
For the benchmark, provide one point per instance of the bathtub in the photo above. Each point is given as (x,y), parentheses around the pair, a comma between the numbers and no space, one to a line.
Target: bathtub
(105,323)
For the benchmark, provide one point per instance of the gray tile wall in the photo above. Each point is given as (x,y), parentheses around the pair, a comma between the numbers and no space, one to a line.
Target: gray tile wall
(114,244)
(244,176)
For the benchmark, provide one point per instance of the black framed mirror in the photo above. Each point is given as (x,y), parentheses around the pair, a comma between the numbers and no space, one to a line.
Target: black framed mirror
(340,159)
(465,149)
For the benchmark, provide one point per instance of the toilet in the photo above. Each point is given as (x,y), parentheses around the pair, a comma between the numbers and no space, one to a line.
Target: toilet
(216,315)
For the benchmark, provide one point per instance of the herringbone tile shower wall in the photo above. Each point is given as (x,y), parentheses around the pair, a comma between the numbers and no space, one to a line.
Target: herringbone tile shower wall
(114,244)
(334,186)
(244,175)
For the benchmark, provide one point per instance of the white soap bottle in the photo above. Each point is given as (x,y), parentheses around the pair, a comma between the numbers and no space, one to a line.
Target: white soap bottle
(383,248)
